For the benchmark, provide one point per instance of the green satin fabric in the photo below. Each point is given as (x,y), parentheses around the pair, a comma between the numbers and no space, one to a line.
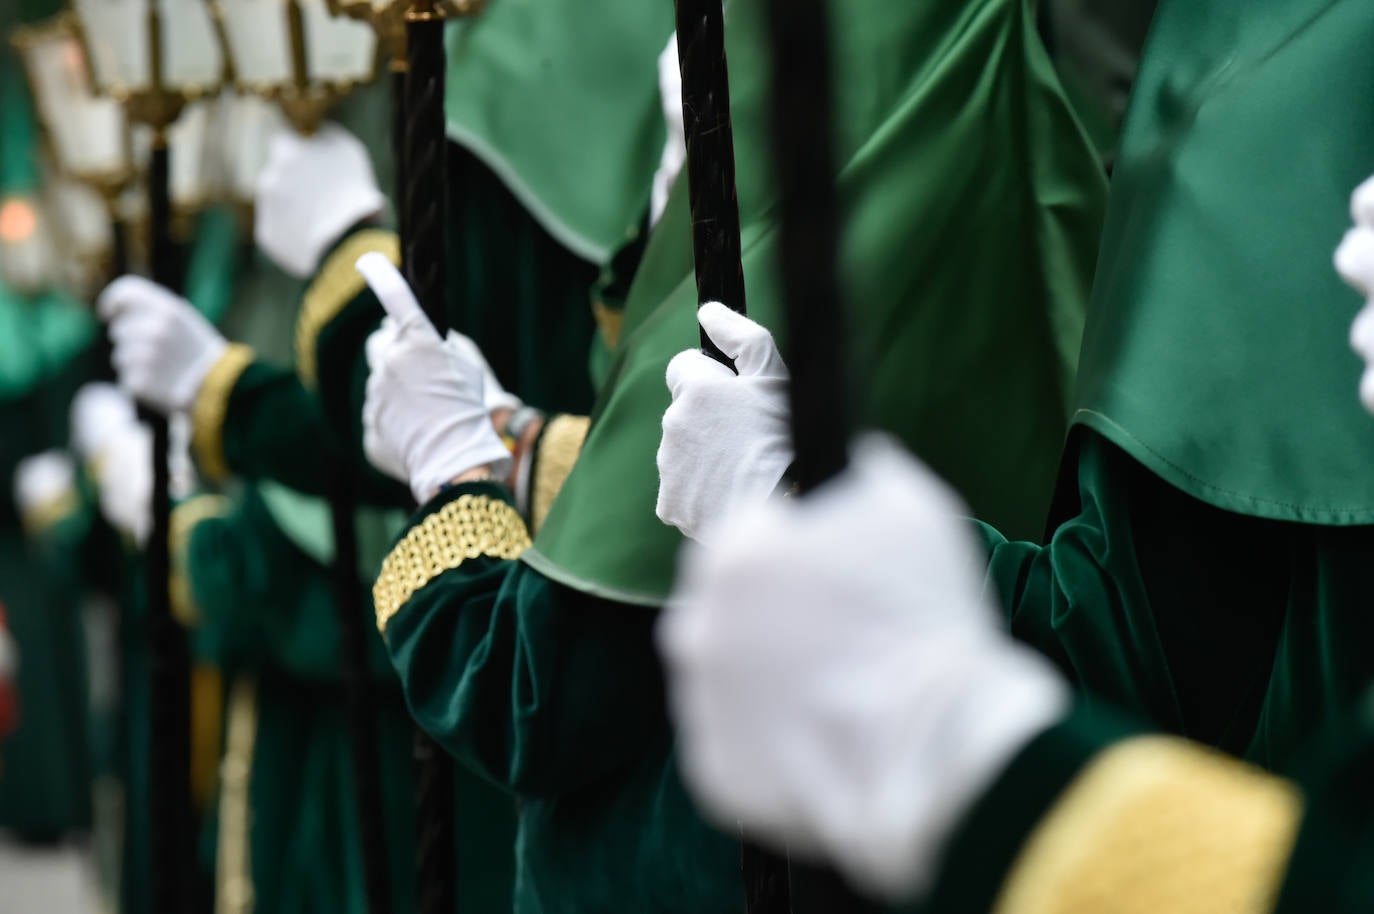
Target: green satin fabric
(1215,351)
(972,204)
(560,99)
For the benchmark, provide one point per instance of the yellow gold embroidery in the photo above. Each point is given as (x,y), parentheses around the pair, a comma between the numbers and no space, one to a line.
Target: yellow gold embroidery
(559,446)
(233,869)
(1156,824)
(336,284)
(49,512)
(210,409)
(609,321)
(184,518)
(466,528)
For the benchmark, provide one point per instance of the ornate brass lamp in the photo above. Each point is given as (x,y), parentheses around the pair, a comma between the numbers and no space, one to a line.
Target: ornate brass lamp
(295,53)
(154,57)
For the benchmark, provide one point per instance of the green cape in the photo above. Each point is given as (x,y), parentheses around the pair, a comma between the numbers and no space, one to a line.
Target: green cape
(560,99)
(1216,349)
(972,204)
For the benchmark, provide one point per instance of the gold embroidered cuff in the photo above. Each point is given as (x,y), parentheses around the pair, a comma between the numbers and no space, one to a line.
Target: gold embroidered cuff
(184,518)
(466,528)
(559,446)
(38,518)
(1156,824)
(336,284)
(210,409)
(608,321)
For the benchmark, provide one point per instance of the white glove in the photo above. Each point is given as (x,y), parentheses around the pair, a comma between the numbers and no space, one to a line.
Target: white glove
(727,441)
(43,478)
(311,191)
(425,418)
(163,346)
(98,411)
(839,680)
(1355,263)
(675,141)
(124,476)
(493,394)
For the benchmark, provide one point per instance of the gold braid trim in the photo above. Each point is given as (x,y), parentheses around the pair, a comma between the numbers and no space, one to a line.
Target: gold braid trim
(559,446)
(466,528)
(233,856)
(212,407)
(608,321)
(39,518)
(1155,824)
(184,518)
(335,285)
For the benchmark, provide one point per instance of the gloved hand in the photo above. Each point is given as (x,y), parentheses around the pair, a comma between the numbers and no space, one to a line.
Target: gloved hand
(839,680)
(98,411)
(727,440)
(41,479)
(163,346)
(1355,263)
(425,415)
(493,394)
(311,191)
(124,477)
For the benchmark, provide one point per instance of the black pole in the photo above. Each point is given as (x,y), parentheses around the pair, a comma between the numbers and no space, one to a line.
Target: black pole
(808,241)
(361,708)
(173,834)
(421,210)
(710,157)
(720,277)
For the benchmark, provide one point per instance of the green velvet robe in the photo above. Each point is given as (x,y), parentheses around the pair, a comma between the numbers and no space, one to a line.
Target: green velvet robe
(1208,568)
(255,588)
(559,696)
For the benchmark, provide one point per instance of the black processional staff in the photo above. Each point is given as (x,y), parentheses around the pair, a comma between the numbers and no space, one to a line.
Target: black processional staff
(170,758)
(801,121)
(719,275)
(421,210)
(305,97)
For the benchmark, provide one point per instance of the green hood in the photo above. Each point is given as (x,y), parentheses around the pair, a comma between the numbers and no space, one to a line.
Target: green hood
(1216,350)
(972,204)
(560,99)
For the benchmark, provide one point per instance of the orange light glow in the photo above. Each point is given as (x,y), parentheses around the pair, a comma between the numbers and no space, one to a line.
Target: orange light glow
(18,221)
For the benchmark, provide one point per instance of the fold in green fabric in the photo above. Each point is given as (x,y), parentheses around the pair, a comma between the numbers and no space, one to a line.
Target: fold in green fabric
(560,99)
(1215,352)
(972,202)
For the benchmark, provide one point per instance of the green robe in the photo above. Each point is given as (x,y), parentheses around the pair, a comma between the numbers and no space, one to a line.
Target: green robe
(530,673)
(45,783)
(257,590)
(1209,571)
(559,696)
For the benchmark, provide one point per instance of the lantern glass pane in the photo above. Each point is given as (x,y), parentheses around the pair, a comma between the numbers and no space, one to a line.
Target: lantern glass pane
(87,133)
(191,56)
(247,126)
(190,158)
(116,32)
(259,42)
(119,35)
(80,218)
(338,50)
